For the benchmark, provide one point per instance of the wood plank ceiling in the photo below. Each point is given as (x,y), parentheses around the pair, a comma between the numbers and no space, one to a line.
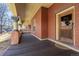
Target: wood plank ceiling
(27,10)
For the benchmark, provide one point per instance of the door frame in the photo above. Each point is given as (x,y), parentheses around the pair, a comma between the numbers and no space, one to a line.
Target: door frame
(57,22)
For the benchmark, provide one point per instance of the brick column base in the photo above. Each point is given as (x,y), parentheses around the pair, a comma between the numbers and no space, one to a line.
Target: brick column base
(15,37)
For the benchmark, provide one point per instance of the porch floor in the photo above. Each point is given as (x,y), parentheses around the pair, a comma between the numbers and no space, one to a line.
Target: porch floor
(31,46)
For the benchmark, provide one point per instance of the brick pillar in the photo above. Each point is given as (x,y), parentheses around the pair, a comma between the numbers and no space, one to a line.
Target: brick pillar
(16,34)
(15,37)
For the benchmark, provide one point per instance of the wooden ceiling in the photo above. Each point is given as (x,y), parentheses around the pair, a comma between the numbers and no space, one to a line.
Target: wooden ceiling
(27,10)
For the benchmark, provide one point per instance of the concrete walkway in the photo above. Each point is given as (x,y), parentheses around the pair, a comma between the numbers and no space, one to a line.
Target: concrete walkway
(31,46)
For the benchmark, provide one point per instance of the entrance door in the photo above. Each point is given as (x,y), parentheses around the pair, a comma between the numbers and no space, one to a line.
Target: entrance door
(65,25)
(66,28)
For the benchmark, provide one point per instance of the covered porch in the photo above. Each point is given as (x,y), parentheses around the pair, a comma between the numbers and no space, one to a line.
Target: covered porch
(36,30)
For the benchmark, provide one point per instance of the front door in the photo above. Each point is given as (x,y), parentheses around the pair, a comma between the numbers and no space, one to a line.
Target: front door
(66,28)
(65,25)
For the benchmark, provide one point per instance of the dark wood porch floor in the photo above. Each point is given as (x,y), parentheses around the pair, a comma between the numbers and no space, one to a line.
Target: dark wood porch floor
(31,46)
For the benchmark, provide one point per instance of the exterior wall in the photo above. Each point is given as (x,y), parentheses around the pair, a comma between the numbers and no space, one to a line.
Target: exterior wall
(41,22)
(77,25)
(44,22)
(53,10)
(37,19)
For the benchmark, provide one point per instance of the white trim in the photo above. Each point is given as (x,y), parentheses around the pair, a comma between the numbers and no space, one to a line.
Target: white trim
(70,8)
(74,26)
(57,27)
(39,38)
(60,43)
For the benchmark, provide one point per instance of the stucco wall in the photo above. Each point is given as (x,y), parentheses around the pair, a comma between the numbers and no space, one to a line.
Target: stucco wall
(37,19)
(77,25)
(41,19)
(53,10)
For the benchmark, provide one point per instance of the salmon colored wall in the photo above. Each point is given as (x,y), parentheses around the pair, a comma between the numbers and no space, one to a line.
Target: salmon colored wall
(37,19)
(77,25)
(44,21)
(55,8)
(41,19)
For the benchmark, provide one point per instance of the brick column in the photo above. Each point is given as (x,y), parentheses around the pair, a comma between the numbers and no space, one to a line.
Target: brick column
(16,34)
(15,37)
